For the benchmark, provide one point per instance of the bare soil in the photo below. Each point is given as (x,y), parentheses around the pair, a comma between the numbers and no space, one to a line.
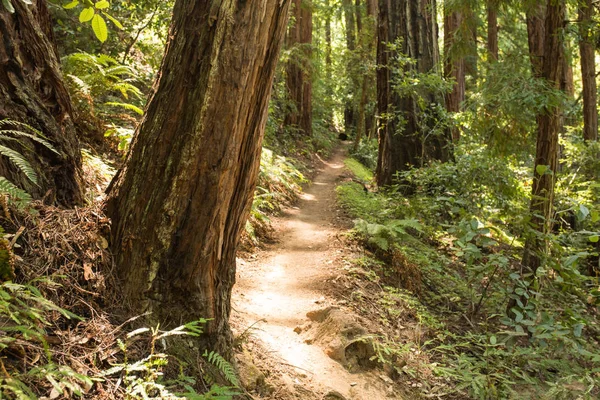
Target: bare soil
(297,339)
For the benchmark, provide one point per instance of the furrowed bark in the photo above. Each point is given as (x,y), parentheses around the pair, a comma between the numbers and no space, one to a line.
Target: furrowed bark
(180,202)
(32,91)
(403,143)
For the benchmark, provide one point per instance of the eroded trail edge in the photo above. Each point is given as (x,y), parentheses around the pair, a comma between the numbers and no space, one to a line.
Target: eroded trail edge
(282,293)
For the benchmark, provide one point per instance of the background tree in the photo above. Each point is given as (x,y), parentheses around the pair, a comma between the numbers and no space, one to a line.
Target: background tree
(549,66)
(299,67)
(178,208)
(492,29)
(587,53)
(454,61)
(349,11)
(407,29)
(32,91)
(367,34)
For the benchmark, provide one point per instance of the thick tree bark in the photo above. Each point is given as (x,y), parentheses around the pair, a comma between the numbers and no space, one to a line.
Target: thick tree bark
(403,140)
(298,78)
(32,91)
(492,29)
(454,65)
(549,125)
(535,36)
(180,202)
(588,71)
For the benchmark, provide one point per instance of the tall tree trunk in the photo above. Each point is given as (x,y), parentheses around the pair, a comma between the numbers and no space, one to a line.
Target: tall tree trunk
(404,141)
(368,36)
(32,91)
(298,80)
(349,106)
(535,36)
(328,48)
(472,22)
(454,65)
(549,125)
(181,200)
(588,71)
(492,29)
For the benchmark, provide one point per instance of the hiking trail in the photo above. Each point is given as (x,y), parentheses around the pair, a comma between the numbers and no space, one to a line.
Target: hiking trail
(276,288)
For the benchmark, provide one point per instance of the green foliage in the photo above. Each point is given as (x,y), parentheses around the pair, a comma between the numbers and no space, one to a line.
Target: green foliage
(25,312)
(366,154)
(101,77)
(144,379)
(359,170)
(17,133)
(468,259)
(105,91)
(94,12)
(223,366)
(361,204)
(384,235)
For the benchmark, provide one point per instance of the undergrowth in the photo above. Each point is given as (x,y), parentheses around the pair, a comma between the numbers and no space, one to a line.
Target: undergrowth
(443,261)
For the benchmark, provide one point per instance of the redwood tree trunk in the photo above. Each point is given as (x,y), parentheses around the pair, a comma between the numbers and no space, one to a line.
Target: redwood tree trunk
(549,124)
(454,65)
(349,106)
(181,200)
(535,36)
(588,71)
(298,79)
(492,29)
(32,91)
(404,141)
(367,38)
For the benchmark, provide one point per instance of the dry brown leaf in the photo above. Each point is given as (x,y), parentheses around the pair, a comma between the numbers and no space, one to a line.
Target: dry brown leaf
(88,273)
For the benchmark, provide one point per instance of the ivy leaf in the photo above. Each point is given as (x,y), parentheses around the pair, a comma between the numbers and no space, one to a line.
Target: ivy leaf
(113,20)
(8,5)
(102,4)
(99,27)
(71,5)
(594,239)
(86,14)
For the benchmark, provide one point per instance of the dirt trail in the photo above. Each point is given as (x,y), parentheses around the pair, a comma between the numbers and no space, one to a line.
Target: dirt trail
(282,284)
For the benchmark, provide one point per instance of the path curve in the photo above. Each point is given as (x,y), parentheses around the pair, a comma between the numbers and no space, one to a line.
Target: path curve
(289,279)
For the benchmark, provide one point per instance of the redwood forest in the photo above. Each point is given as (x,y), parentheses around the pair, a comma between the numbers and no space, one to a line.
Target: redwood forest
(299,199)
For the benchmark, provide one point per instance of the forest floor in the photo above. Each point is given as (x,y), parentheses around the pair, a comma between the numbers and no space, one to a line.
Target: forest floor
(297,336)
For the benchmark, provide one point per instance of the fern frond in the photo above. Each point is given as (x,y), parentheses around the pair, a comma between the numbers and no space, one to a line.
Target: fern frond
(117,70)
(35,138)
(106,60)
(126,88)
(127,106)
(19,196)
(20,162)
(224,367)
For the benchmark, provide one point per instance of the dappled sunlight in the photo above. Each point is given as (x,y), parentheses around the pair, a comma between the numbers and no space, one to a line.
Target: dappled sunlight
(307,197)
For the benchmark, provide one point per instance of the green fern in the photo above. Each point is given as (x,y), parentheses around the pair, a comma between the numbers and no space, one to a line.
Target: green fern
(20,196)
(223,366)
(12,131)
(20,162)
(19,130)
